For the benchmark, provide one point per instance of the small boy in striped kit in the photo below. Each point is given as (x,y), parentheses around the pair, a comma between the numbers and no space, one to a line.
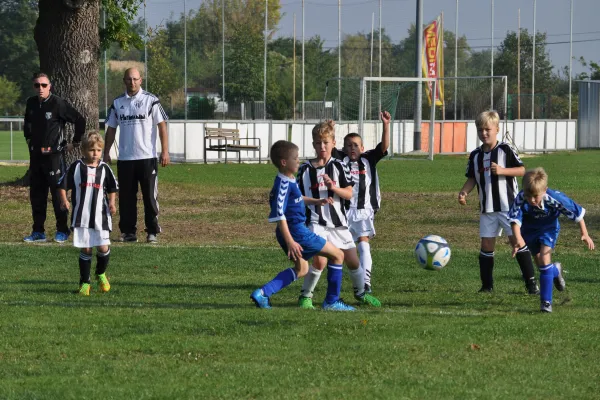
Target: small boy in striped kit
(493,168)
(93,191)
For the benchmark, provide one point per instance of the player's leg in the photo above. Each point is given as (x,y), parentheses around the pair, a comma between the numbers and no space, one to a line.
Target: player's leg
(57,169)
(319,262)
(128,188)
(364,251)
(102,259)
(548,272)
(85,266)
(38,196)
(149,183)
(489,229)
(357,276)
(525,261)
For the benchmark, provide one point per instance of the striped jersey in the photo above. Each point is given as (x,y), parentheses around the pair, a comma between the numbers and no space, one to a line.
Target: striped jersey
(137,116)
(545,217)
(286,201)
(89,189)
(365,193)
(310,181)
(496,193)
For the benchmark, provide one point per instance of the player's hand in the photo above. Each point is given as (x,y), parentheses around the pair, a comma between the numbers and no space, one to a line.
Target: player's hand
(588,240)
(329,200)
(496,169)
(164,158)
(385,117)
(294,251)
(112,208)
(462,198)
(107,159)
(322,202)
(328,182)
(518,245)
(64,205)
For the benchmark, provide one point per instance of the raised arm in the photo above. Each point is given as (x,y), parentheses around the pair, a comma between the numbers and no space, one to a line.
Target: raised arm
(386,118)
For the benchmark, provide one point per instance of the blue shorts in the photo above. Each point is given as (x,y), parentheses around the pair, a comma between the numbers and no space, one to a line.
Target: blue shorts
(311,243)
(535,240)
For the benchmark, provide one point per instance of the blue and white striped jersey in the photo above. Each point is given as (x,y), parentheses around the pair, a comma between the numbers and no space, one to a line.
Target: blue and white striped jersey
(544,218)
(496,193)
(286,201)
(310,181)
(89,188)
(137,117)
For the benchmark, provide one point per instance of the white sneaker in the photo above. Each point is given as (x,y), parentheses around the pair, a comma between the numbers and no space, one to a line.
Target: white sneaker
(559,281)
(152,238)
(546,306)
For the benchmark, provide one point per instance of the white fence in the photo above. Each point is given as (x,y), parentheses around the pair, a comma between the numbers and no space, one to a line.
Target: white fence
(186,139)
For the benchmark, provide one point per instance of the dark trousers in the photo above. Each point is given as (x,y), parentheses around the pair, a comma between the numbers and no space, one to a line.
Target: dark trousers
(44,173)
(144,172)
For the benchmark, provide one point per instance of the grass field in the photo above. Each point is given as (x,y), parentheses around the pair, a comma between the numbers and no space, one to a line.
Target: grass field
(19,146)
(178,322)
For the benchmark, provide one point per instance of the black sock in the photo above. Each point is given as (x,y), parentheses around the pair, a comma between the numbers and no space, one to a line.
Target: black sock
(102,262)
(85,265)
(486,268)
(526,265)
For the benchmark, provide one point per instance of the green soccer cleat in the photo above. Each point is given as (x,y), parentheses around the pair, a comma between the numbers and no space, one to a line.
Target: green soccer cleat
(84,289)
(103,283)
(368,299)
(305,303)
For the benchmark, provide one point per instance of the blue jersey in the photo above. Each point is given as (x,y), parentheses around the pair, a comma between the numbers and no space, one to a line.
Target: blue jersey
(544,218)
(286,201)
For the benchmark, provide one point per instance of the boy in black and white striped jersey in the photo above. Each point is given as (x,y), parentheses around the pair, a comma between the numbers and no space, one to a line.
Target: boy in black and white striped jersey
(326,177)
(93,192)
(493,168)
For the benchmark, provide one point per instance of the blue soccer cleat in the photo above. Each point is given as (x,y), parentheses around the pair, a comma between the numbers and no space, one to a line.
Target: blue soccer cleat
(260,299)
(61,237)
(35,237)
(337,306)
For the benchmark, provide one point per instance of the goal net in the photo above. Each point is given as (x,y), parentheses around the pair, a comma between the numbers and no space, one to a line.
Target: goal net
(355,104)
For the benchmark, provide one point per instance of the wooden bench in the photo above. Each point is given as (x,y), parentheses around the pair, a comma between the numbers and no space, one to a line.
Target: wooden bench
(226,139)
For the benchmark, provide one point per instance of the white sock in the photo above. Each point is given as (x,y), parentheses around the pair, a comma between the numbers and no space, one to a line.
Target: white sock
(364,250)
(310,282)
(358,281)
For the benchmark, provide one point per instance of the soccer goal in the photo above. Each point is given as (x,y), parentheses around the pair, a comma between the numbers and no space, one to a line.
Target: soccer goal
(446,127)
(357,102)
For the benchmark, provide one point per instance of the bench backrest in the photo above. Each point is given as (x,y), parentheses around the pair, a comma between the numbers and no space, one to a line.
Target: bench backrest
(224,133)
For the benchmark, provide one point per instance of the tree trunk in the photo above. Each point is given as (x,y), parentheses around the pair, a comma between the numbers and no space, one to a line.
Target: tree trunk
(68,41)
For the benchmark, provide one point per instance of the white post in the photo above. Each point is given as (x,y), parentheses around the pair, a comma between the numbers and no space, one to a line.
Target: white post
(185,79)
(147,75)
(380,60)
(432,118)
(303,116)
(492,61)
(361,104)
(265,63)
(294,72)
(418,74)
(223,48)
(105,69)
(371,73)
(570,59)
(456,60)
(533,66)
(519,66)
(339,59)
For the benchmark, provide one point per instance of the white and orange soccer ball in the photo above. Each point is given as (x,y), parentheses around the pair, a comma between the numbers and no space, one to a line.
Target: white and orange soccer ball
(432,252)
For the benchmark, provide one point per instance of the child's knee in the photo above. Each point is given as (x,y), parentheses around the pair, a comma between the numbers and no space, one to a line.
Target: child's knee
(102,249)
(301,268)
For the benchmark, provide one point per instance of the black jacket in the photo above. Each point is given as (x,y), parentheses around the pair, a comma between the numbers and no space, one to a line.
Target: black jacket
(45,123)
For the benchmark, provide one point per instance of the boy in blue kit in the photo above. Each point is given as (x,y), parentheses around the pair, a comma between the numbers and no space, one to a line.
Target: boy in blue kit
(300,244)
(534,221)
(493,168)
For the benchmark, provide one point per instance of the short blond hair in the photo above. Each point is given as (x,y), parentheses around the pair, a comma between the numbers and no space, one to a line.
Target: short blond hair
(325,129)
(486,117)
(535,181)
(92,138)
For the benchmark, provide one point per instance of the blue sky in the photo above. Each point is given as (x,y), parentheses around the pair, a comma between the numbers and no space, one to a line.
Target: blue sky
(321,17)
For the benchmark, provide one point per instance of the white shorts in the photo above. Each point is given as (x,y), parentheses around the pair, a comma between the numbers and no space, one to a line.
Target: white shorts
(360,223)
(492,224)
(339,237)
(86,238)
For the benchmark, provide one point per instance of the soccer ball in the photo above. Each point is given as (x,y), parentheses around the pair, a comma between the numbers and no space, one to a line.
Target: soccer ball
(432,252)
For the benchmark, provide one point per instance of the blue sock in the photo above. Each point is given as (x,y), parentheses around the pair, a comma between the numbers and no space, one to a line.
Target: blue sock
(547,273)
(283,279)
(334,283)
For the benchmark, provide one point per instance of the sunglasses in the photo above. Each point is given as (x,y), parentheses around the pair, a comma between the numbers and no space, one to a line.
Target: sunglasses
(37,85)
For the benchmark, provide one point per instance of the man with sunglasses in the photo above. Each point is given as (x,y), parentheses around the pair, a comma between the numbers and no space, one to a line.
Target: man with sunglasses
(45,117)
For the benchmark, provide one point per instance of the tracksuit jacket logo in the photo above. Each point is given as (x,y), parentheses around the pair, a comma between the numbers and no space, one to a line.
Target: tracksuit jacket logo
(131,117)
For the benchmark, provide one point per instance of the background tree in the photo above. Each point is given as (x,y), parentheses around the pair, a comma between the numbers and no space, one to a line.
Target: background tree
(9,94)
